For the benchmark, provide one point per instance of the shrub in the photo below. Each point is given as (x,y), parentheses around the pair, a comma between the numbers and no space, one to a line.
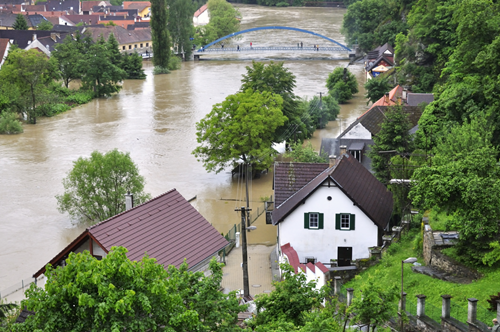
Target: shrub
(160,70)
(80,97)
(282,4)
(52,109)
(9,123)
(174,63)
(59,89)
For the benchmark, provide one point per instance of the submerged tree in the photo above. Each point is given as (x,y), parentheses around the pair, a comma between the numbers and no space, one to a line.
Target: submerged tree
(95,188)
(180,25)
(341,84)
(159,34)
(241,128)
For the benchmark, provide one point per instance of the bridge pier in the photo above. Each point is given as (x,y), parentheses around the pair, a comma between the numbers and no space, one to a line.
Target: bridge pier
(196,57)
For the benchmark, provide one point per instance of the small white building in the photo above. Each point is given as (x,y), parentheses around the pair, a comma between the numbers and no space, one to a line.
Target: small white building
(201,16)
(333,211)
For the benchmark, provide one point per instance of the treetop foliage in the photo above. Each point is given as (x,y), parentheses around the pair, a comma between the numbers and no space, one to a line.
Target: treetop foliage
(341,84)
(95,188)
(116,294)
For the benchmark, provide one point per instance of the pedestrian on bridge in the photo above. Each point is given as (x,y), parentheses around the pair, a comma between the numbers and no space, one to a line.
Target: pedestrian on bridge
(250,44)
(222,45)
(298,45)
(238,48)
(301,45)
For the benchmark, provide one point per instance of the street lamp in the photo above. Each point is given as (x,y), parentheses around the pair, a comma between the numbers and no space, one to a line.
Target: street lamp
(410,260)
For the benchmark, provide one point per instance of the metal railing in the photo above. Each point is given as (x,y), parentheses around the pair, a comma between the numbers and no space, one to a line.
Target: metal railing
(23,285)
(411,308)
(484,315)
(458,312)
(255,214)
(271,49)
(433,312)
(231,238)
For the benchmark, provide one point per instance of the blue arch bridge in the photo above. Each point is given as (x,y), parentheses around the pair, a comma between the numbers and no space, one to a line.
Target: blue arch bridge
(213,48)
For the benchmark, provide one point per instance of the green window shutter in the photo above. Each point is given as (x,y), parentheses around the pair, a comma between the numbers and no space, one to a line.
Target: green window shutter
(337,221)
(306,220)
(320,224)
(352,222)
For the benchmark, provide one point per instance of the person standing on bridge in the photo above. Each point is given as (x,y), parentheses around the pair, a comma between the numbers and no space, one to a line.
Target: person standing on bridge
(301,45)
(222,45)
(238,48)
(250,44)
(298,45)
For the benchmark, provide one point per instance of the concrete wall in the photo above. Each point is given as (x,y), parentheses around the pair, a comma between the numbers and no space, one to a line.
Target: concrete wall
(323,244)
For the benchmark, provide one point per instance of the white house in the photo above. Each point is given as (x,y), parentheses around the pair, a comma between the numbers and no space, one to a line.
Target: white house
(201,16)
(330,211)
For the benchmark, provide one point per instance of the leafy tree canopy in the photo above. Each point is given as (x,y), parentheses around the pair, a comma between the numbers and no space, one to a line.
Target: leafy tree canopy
(95,188)
(341,84)
(116,294)
(275,78)
(376,88)
(180,25)
(241,128)
(463,178)
(45,25)
(159,33)
(224,20)
(305,154)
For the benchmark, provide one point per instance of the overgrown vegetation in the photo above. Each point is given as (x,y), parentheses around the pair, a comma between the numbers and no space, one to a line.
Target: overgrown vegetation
(388,273)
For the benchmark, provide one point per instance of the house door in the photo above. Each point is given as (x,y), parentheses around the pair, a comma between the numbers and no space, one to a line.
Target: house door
(344,256)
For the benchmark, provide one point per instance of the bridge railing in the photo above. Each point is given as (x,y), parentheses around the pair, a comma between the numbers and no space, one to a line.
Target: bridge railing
(270,49)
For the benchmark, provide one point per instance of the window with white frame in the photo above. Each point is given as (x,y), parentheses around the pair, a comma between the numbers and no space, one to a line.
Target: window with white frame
(313,220)
(345,221)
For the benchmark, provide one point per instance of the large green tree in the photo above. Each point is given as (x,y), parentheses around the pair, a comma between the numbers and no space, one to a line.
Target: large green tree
(376,88)
(20,23)
(224,19)
(100,74)
(463,177)
(159,33)
(241,128)
(116,294)
(276,78)
(69,57)
(393,138)
(30,71)
(95,188)
(341,84)
(180,25)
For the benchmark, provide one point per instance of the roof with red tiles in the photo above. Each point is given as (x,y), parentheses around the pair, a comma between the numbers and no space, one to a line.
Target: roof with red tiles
(4,43)
(293,258)
(322,267)
(139,5)
(201,10)
(167,228)
(355,181)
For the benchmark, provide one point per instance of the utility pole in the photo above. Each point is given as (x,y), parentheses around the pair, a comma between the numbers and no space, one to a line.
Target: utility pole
(248,199)
(246,285)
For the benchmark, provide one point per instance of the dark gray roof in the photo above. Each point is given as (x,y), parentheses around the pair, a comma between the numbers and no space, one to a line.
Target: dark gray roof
(22,37)
(8,19)
(23,315)
(372,64)
(57,5)
(36,19)
(290,177)
(356,146)
(355,181)
(415,99)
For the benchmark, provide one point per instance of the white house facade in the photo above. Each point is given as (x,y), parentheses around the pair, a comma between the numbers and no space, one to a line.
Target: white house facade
(327,212)
(327,222)
(201,16)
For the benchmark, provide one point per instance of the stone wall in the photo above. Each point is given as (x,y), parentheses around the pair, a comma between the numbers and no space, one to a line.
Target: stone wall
(447,264)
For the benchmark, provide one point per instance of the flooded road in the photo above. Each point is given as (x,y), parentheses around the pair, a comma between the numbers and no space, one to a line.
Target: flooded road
(154,119)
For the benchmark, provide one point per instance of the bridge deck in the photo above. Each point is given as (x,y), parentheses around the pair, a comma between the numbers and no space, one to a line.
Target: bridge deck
(270,49)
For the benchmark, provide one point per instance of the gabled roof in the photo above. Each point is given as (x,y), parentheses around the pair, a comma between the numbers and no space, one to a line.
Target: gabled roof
(22,38)
(35,20)
(290,177)
(57,5)
(201,10)
(8,19)
(4,49)
(415,99)
(32,8)
(139,5)
(122,35)
(373,64)
(380,50)
(167,228)
(355,181)
(87,5)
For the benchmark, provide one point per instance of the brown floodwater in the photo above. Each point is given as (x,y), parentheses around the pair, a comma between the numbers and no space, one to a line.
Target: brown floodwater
(154,119)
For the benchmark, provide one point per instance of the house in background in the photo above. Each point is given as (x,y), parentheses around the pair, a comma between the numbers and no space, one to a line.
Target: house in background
(143,7)
(327,212)
(201,16)
(137,40)
(379,60)
(166,227)
(358,136)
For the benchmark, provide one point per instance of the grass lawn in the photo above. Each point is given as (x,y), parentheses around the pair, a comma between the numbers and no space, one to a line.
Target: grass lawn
(388,272)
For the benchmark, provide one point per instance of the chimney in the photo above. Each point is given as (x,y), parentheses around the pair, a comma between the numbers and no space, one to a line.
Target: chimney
(343,150)
(405,94)
(386,98)
(34,36)
(129,201)
(333,160)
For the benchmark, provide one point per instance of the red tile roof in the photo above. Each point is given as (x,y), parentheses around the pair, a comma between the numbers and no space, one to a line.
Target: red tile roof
(4,42)
(293,258)
(322,267)
(201,10)
(167,228)
(355,181)
(310,266)
(139,5)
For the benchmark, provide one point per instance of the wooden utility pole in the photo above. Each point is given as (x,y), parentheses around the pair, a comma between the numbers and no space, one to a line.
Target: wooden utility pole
(246,285)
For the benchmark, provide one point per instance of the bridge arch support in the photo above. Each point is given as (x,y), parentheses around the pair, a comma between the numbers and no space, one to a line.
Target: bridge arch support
(347,49)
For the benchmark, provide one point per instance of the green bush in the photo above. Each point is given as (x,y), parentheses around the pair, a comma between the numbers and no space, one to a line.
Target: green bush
(160,70)
(174,63)
(60,90)
(9,123)
(81,97)
(50,109)
(282,4)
